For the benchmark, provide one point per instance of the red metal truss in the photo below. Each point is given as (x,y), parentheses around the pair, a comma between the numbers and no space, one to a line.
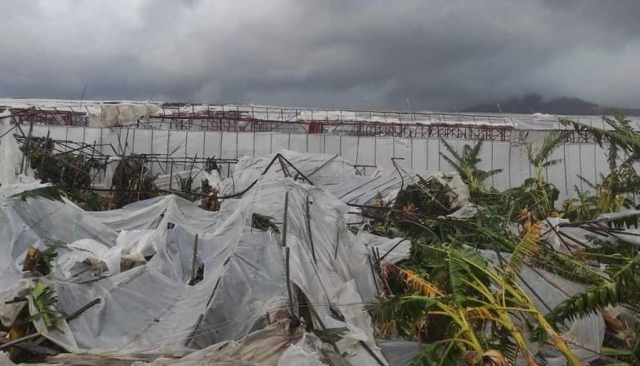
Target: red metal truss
(50,117)
(305,121)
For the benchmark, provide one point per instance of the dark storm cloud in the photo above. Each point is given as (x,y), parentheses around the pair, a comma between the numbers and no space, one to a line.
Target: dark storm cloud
(334,53)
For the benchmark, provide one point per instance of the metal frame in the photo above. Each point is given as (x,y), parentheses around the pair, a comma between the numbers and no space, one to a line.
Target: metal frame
(306,121)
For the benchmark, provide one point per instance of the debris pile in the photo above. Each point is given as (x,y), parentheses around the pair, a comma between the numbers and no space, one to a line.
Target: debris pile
(299,259)
(517,277)
(162,277)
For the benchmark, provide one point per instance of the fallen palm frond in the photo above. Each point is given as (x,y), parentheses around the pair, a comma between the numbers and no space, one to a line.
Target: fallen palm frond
(526,248)
(414,282)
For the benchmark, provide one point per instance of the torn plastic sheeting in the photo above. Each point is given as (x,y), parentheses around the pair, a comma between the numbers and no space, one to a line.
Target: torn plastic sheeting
(156,290)
(212,178)
(564,239)
(321,169)
(339,256)
(391,250)
(320,286)
(78,253)
(151,307)
(350,306)
(253,285)
(10,190)
(363,191)
(10,312)
(298,356)
(335,247)
(157,212)
(171,306)
(130,303)
(137,244)
(32,221)
(167,306)
(399,352)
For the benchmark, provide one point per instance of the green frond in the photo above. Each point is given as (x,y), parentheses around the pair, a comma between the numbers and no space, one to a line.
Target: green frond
(621,135)
(551,163)
(462,264)
(451,150)
(545,150)
(407,313)
(476,149)
(44,299)
(466,164)
(454,165)
(526,248)
(624,290)
(583,304)
(587,182)
(567,267)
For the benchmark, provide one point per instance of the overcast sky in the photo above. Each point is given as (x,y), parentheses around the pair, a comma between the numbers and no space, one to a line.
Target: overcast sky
(436,54)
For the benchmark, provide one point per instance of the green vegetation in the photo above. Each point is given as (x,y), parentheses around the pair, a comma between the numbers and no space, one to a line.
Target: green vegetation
(462,292)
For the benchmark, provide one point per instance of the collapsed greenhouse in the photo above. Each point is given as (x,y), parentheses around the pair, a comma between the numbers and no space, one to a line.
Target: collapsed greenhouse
(175,234)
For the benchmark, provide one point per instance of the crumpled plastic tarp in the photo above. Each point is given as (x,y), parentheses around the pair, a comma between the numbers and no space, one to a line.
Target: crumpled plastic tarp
(124,114)
(151,307)
(321,169)
(400,352)
(275,345)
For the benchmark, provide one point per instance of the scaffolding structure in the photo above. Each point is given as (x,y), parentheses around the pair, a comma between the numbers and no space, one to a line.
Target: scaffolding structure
(346,123)
(50,117)
(305,121)
(164,164)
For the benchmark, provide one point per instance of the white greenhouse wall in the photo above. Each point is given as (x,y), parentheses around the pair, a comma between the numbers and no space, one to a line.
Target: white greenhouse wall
(585,159)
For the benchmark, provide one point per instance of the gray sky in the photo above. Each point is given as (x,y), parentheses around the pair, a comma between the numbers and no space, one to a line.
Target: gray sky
(439,54)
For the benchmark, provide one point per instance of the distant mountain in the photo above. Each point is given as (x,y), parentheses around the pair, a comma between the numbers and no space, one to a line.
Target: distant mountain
(534,103)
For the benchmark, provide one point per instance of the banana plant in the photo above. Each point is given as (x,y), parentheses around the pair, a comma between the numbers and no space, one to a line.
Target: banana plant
(622,143)
(44,299)
(475,298)
(466,164)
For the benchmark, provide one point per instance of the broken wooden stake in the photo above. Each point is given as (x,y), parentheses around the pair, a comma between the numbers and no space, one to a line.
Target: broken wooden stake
(195,259)
(20,340)
(79,312)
